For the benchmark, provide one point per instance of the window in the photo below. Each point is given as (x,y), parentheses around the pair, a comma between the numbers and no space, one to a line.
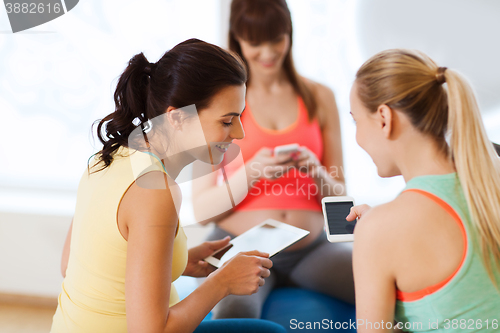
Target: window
(59,77)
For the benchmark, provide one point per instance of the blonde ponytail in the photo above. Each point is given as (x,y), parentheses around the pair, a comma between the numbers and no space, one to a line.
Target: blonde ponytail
(411,82)
(478,167)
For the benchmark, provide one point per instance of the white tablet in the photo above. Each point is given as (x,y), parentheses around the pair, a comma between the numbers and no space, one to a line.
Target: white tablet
(270,236)
(335,210)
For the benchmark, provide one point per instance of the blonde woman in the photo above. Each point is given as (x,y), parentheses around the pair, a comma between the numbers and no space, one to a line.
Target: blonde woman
(430,258)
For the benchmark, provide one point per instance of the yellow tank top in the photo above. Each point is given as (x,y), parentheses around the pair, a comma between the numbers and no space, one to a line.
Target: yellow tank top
(93,292)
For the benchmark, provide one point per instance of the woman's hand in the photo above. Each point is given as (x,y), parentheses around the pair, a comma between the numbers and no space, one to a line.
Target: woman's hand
(329,179)
(244,273)
(268,166)
(196,267)
(357,212)
(307,161)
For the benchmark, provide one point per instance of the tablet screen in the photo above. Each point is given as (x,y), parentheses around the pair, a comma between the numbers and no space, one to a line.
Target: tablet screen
(266,238)
(336,212)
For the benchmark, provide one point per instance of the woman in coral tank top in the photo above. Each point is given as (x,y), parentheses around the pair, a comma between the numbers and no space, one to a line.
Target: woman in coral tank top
(281,108)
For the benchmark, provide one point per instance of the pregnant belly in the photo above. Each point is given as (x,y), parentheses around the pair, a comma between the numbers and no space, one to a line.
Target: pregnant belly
(240,221)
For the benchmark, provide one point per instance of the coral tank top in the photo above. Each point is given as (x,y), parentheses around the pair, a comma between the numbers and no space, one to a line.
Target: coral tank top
(295,189)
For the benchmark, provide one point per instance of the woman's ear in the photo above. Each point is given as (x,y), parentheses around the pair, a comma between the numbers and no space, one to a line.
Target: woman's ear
(174,117)
(385,117)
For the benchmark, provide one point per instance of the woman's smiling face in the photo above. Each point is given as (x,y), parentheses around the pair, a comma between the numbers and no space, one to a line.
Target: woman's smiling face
(220,125)
(370,135)
(266,57)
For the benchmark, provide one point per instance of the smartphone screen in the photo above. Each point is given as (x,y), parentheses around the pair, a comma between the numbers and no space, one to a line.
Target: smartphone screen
(336,212)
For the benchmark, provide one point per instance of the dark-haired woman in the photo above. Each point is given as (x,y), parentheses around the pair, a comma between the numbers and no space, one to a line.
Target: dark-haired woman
(126,246)
(281,108)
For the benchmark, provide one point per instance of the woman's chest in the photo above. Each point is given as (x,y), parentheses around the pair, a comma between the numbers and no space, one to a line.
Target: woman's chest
(274,113)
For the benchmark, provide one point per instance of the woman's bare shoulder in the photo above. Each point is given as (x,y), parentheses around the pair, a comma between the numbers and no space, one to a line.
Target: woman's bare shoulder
(326,105)
(153,196)
(320,91)
(410,216)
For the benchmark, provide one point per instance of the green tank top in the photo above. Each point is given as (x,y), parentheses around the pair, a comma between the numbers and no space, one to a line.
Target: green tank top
(469,302)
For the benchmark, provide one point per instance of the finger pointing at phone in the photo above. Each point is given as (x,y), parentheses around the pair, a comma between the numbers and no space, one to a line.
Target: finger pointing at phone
(357,212)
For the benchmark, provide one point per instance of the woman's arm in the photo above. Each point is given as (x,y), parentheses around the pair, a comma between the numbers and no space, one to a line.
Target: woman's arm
(211,202)
(242,275)
(328,175)
(151,220)
(374,272)
(205,190)
(65,253)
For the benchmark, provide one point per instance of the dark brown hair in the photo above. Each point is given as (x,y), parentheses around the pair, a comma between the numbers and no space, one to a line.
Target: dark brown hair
(190,73)
(259,21)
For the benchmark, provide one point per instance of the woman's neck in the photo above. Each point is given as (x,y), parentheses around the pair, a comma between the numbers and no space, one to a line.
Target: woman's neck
(423,157)
(267,82)
(173,162)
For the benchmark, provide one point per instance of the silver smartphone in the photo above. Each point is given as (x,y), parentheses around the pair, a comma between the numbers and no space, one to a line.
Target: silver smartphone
(335,210)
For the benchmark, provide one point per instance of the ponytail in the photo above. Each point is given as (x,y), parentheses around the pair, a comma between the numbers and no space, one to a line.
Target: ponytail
(190,73)
(478,167)
(131,102)
(411,82)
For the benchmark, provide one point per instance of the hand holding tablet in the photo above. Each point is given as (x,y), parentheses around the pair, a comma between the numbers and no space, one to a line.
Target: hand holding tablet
(270,236)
